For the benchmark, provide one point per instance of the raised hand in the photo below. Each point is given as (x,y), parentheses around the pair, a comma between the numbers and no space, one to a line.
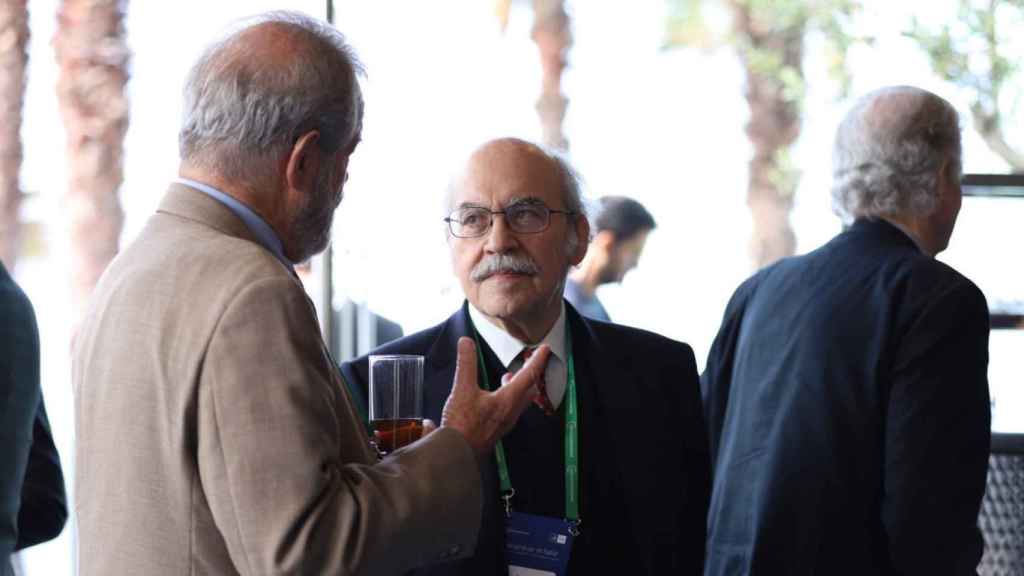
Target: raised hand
(481,416)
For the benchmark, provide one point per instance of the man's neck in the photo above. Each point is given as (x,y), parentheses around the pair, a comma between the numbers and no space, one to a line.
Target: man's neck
(269,207)
(917,230)
(265,205)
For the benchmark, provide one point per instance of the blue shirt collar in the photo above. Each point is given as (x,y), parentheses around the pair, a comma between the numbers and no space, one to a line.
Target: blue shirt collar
(257,225)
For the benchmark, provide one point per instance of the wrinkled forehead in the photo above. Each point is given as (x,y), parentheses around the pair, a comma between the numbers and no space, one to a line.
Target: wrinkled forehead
(500,176)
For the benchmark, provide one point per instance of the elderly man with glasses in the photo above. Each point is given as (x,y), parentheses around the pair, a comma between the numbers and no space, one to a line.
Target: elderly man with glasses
(609,471)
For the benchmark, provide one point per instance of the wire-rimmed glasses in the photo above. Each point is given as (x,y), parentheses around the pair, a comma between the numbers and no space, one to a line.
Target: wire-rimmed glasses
(523,218)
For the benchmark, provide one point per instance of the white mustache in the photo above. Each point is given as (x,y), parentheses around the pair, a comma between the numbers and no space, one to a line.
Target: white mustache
(503,264)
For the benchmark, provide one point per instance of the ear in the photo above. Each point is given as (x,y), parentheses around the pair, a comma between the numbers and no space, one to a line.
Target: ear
(605,239)
(303,162)
(946,172)
(582,230)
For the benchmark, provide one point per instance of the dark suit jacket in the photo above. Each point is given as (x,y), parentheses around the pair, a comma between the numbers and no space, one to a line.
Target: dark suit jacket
(848,409)
(44,507)
(32,506)
(643,446)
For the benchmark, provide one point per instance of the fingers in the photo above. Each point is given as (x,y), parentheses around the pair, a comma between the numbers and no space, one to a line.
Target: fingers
(428,426)
(521,387)
(465,367)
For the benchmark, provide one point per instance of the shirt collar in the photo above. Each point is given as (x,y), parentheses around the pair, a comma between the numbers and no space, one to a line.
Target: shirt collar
(507,347)
(257,225)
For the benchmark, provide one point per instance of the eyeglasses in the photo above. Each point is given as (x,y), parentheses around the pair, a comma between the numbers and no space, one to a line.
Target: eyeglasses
(475,221)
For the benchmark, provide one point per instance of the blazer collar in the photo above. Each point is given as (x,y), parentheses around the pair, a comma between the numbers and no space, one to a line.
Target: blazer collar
(185,202)
(883,230)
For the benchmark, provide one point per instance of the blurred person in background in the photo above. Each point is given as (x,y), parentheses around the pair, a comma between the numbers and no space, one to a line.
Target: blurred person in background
(625,402)
(214,435)
(622,226)
(33,508)
(846,392)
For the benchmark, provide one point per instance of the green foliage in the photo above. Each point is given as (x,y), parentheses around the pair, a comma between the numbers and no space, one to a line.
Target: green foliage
(767,31)
(784,174)
(970,53)
(688,26)
(769,37)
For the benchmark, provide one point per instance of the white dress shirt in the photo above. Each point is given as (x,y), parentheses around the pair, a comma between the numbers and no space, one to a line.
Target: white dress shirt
(507,348)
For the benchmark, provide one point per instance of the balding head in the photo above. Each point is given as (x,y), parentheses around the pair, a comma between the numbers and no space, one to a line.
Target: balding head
(251,95)
(516,154)
(512,266)
(512,158)
(889,151)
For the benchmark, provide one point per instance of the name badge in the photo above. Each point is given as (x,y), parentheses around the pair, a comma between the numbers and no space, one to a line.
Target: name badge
(537,545)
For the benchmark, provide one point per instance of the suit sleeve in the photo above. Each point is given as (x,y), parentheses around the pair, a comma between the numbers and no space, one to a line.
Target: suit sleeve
(694,512)
(44,507)
(937,437)
(284,467)
(716,381)
(19,397)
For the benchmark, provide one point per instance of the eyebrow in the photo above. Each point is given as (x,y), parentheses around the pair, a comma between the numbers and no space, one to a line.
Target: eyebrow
(514,201)
(471,205)
(529,200)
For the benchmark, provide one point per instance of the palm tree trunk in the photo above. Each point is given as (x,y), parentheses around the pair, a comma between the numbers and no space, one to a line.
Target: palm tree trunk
(13,61)
(988,124)
(93,56)
(773,127)
(553,37)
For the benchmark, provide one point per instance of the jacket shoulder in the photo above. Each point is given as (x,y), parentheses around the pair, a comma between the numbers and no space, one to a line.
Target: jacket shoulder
(637,342)
(919,279)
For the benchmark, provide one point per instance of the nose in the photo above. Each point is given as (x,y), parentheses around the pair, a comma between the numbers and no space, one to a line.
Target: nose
(500,238)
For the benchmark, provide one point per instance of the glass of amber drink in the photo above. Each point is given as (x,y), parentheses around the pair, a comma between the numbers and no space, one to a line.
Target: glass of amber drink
(396,400)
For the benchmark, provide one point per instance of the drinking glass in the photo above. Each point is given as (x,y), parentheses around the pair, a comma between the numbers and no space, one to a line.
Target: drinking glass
(396,400)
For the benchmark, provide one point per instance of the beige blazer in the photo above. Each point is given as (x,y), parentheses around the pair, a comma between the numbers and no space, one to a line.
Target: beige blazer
(214,435)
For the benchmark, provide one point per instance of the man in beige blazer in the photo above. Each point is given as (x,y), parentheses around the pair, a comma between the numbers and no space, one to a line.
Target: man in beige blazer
(214,433)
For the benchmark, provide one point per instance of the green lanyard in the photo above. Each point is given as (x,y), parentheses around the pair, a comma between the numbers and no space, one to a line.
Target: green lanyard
(572,480)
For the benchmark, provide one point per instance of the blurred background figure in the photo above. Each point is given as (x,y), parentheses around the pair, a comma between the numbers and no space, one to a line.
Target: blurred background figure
(622,226)
(32,504)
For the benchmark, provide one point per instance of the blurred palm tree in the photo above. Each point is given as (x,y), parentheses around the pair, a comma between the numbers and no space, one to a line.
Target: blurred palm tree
(13,61)
(553,36)
(93,55)
(971,53)
(769,38)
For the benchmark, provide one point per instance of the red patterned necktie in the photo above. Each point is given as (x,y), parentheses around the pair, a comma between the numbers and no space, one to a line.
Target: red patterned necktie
(541,399)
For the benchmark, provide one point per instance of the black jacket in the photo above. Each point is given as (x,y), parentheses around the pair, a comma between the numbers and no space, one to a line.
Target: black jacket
(32,503)
(847,402)
(644,481)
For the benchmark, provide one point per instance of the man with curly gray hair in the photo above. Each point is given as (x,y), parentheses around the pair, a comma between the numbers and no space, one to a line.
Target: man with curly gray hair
(891,152)
(846,393)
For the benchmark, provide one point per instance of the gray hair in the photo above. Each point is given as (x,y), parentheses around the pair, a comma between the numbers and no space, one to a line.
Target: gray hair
(242,112)
(571,194)
(888,151)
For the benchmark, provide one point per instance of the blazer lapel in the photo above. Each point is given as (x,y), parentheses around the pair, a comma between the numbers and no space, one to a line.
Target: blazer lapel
(610,378)
(439,368)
